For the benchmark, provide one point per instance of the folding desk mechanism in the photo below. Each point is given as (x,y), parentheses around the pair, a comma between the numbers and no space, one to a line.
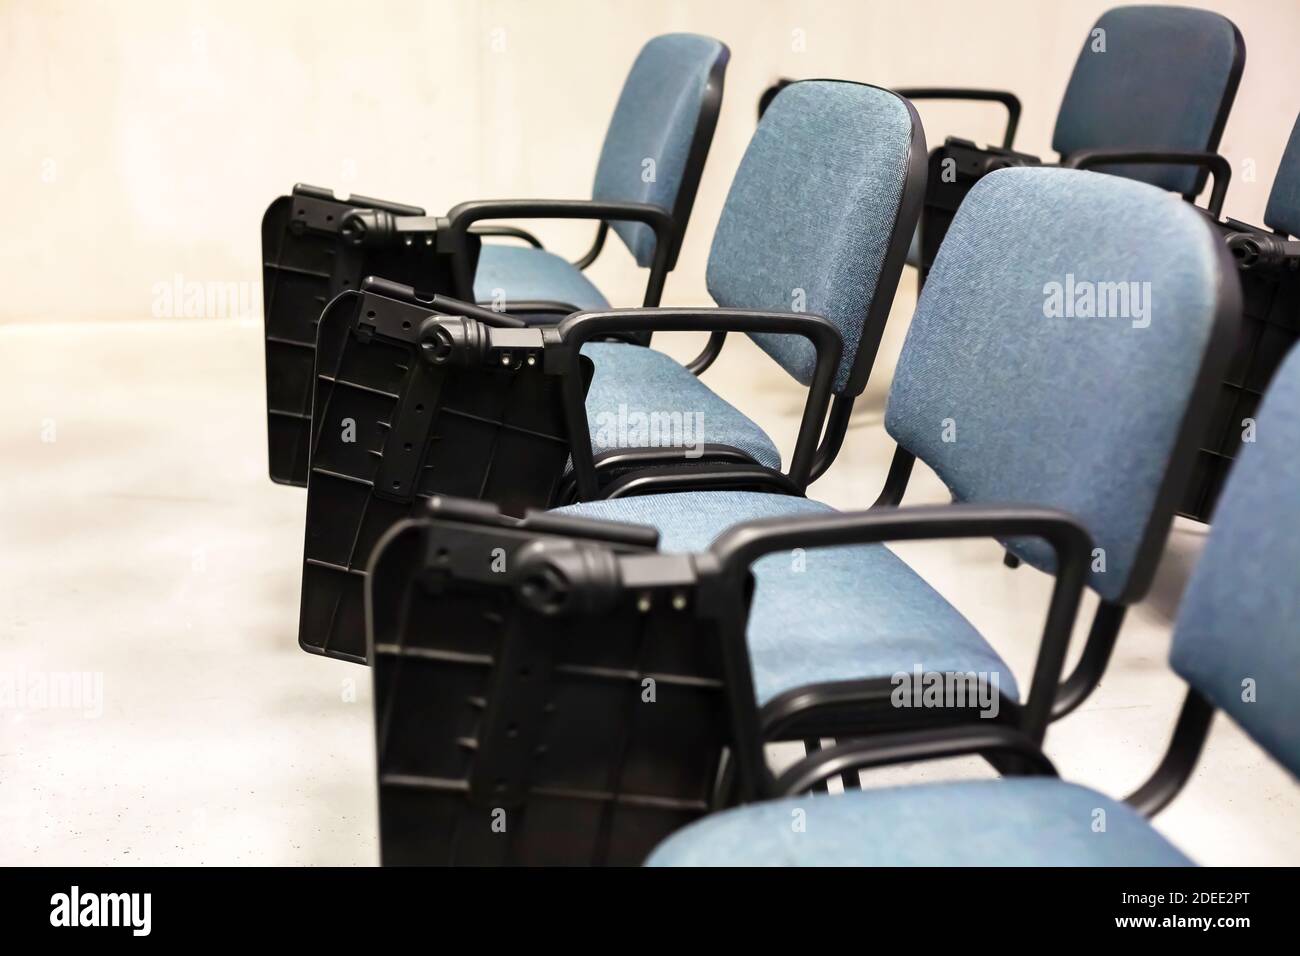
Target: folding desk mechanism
(547,691)
(416,397)
(315,247)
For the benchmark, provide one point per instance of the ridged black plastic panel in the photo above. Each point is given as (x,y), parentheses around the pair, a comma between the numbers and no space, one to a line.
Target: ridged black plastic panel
(305,263)
(391,430)
(506,737)
(1270,325)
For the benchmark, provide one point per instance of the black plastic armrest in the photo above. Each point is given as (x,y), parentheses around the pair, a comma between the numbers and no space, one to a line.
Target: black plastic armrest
(660,221)
(584,326)
(739,547)
(1212,162)
(1009,100)
(465,214)
(512,232)
(910,746)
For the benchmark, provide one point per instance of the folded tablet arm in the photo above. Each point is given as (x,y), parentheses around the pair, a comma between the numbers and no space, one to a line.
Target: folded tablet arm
(547,691)
(422,396)
(316,246)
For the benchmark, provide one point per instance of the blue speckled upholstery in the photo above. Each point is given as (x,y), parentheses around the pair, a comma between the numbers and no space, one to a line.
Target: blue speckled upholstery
(525,274)
(811,213)
(829,614)
(1009,403)
(1026,821)
(655,120)
(1159,84)
(1238,633)
(631,381)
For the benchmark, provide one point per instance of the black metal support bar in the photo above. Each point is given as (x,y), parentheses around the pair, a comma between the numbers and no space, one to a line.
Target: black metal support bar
(590,256)
(1179,761)
(1085,677)
(511,232)
(837,426)
(1009,100)
(810,747)
(900,471)
(708,354)
(882,750)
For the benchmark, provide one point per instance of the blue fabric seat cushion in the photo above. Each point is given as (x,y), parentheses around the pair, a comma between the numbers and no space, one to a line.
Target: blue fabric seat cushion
(828,614)
(1018,821)
(525,274)
(640,397)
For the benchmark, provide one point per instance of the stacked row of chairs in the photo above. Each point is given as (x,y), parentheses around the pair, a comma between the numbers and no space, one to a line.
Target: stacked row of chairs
(1176,72)
(582,643)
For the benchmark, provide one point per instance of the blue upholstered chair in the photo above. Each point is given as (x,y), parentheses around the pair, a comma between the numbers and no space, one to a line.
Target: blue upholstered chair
(1175,72)
(1148,80)
(651,163)
(811,241)
(1148,77)
(1235,644)
(1013,391)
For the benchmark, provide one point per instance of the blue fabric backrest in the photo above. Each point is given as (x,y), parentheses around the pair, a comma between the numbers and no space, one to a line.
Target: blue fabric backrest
(1160,83)
(1283,210)
(1237,639)
(650,135)
(1012,394)
(811,212)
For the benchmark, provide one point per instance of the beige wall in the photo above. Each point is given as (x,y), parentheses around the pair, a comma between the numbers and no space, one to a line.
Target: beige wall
(143,138)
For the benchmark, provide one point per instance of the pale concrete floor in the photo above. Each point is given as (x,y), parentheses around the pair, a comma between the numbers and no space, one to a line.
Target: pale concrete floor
(143,542)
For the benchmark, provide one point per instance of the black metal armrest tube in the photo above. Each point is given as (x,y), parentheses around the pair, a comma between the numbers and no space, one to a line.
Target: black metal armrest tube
(464,215)
(906,747)
(1009,100)
(739,547)
(1216,164)
(512,232)
(584,326)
